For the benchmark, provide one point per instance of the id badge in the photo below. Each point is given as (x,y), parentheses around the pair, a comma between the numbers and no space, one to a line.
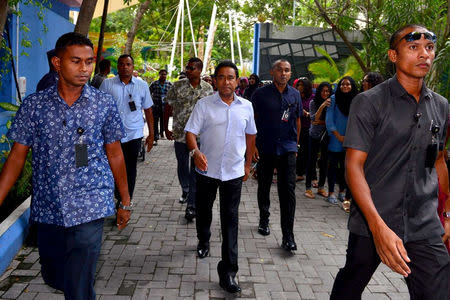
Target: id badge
(81,155)
(285,116)
(132,105)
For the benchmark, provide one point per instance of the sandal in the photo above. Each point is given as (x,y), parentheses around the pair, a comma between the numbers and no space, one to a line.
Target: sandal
(315,184)
(346,205)
(309,194)
(322,192)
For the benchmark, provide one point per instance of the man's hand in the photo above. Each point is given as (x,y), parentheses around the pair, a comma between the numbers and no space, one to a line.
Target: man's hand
(247,172)
(149,142)
(123,216)
(446,236)
(256,155)
(200,161)
(169,134)
(391,250)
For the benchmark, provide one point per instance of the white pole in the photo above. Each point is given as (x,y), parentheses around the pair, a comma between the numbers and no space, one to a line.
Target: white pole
(230,25)
(210,40)
(182,34)
(238,40)
(293,13)
(192,28)
(174,44)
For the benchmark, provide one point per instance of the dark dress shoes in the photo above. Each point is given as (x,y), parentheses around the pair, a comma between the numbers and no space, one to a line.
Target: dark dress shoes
(183,198)
(263,228)
(289,244)
(202,251)
(190,214)
(228,283)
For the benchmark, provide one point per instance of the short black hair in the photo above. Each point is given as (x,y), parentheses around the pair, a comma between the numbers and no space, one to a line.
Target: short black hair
(279,61)
(196,60)
(104,65)
(70,39)
(224,64)
(162,70)
(374,78)
(125,56)
(396,35)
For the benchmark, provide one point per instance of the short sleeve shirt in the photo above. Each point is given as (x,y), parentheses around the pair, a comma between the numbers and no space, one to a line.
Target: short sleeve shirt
(395,131)
(159,91)
(222,129)
(64,194)
(276,136)
(182,97)
(137,91)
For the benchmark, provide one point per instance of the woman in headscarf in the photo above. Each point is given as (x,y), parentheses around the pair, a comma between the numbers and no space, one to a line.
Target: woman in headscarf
(336,122)
(253,84)
(243,84)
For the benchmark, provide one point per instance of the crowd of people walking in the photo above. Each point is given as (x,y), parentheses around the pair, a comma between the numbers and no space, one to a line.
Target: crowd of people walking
(383,145)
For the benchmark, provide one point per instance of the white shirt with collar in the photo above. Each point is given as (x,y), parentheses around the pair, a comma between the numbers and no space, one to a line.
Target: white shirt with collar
(136,90)
(222,129)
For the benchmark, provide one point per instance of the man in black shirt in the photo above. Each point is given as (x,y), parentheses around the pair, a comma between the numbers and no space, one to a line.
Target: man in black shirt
(393,136)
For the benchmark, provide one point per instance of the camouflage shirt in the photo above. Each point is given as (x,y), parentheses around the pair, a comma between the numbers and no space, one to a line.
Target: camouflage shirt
(182,97)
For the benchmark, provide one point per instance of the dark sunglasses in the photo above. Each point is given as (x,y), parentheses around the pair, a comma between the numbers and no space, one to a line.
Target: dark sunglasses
(415,36)
(189,68)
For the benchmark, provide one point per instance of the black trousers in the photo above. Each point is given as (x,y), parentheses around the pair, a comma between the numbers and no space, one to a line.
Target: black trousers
(68,257)
(285,165)
(230,197)
(429,269)
(158,119)
(303,152)
(314,147)
(336,172)
(130,151)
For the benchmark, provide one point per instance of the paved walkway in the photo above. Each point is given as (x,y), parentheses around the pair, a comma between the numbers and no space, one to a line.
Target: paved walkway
(155,258)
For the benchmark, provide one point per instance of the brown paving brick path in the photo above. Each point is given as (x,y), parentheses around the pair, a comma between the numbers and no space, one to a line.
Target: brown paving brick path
(154,257)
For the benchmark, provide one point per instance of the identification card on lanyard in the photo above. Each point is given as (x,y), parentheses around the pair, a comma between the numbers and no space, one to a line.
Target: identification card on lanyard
(81,153)
(285,115)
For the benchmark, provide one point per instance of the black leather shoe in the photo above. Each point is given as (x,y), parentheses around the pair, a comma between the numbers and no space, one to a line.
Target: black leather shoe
(183,198)
(228,283)
(202,251)
(190,214)
(263,228)
(289,245)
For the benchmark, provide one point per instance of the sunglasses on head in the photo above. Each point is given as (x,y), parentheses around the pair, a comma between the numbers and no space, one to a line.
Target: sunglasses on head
(415,36)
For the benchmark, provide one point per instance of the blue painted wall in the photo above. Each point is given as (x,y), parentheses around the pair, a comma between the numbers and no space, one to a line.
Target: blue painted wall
(34,65)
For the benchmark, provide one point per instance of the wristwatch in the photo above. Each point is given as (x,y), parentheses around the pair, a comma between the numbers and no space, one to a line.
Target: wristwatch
(446,214)
(126,207)
(192,152)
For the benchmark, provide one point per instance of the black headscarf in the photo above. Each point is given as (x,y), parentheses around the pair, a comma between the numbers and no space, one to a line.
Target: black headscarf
(251,87)
(318,98)
(344,100)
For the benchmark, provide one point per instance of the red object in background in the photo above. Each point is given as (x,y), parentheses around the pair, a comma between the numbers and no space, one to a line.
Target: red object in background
(441,207)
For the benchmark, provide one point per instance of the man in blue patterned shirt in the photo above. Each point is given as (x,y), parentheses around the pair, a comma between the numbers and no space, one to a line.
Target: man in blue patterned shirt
(74,131)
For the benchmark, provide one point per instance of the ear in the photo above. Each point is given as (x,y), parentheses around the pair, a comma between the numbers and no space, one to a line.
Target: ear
(56,61)
(392,54)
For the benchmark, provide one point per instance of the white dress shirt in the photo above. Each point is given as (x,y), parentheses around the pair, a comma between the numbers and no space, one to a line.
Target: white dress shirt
(222,129)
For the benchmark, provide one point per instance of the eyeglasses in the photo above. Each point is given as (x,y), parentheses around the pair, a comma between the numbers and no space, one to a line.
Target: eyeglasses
(415,35)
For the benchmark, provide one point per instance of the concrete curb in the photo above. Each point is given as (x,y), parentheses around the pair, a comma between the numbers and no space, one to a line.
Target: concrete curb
(13,231)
